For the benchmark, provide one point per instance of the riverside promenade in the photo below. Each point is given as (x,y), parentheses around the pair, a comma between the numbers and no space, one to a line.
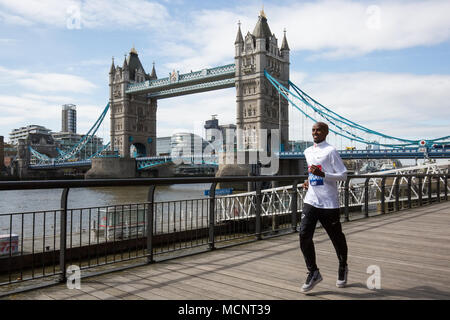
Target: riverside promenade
(411,249)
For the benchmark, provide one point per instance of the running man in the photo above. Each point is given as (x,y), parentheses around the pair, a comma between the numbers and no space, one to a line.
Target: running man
(321,203)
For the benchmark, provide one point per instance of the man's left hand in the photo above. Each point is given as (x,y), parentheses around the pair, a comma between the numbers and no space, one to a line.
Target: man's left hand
(316,171)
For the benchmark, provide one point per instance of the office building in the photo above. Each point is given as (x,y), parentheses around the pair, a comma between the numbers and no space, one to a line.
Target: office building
(22,133)
(163,146)
(67,140)
(69,118)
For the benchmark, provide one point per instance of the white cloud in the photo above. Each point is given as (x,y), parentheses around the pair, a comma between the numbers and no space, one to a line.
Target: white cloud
(44,82)
(209,37)
(83,14)
(402,105)
(45,110)
(345,28)
(330,29)
(19,111)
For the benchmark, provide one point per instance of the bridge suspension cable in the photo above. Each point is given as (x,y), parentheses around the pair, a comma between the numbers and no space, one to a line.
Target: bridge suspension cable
(340,125)
(79,146)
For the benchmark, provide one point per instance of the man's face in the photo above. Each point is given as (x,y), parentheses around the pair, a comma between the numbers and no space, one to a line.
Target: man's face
(319,133)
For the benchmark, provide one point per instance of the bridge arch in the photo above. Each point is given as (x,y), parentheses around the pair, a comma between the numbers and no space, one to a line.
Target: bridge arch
(137,150)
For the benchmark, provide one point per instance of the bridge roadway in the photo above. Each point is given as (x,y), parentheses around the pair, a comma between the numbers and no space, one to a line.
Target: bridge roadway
(412,249)
(345,154)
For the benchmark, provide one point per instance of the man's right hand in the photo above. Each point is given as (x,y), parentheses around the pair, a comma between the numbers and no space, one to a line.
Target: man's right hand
(306,184)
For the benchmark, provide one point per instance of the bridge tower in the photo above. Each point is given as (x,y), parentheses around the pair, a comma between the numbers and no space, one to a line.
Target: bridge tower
(259,105)
(133,116)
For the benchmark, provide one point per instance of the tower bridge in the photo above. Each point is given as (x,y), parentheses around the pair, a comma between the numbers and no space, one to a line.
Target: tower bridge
(134,93)
(260,74)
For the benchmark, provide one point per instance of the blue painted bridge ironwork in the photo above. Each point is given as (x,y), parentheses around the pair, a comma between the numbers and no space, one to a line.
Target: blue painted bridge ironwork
(181,84)
(410,153)
(152,162)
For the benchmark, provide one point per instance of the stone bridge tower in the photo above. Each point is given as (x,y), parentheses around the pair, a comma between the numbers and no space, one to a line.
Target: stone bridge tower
(258,103)
(133,116)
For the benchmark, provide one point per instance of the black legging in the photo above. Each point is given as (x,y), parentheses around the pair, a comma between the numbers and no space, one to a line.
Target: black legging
(329,219)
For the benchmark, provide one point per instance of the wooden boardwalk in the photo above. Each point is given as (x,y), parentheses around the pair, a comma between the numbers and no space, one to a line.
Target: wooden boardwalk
(411,248)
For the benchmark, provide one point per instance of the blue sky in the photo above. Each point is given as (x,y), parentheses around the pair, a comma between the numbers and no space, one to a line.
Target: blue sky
(384,64)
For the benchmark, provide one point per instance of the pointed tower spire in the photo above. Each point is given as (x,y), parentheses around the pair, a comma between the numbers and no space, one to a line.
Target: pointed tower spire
(284,45)
(153,74)
(113,68)
(239,38)
(133,50)
(262,29)
(262,13)
(125,64)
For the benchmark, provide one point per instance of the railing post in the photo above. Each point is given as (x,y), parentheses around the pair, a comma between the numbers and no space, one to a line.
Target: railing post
(150,220)
(383,195)
(446,187)
(347,199)
(212,216)
(250,184)
(409,192)
(258,207)
(397,193)
(294,205)
(438,188)
(63,235)
(420,191)
(429,188)
(366,198)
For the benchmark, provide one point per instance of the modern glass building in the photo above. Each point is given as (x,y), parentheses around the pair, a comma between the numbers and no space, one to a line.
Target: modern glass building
(187,144)
(163,146)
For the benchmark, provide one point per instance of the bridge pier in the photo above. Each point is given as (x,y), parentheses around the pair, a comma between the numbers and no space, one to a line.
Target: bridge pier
(112,168)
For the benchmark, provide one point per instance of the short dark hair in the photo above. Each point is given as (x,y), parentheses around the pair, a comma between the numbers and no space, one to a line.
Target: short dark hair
(323,125)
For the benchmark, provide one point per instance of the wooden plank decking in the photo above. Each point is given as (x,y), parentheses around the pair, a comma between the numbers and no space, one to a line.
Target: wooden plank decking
(412,249)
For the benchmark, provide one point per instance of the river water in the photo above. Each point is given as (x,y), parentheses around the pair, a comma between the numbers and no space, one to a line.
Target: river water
(49,199)
(20,201)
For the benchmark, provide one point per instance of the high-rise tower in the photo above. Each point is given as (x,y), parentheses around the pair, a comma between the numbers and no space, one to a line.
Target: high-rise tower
(259,105)
(69,118)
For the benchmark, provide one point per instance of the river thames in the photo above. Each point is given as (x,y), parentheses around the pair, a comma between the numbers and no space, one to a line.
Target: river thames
(21,201)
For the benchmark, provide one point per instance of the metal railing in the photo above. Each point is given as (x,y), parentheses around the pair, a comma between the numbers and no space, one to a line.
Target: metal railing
(42,244)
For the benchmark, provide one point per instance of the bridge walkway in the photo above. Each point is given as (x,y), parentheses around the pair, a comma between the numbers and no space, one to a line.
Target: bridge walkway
(412,249)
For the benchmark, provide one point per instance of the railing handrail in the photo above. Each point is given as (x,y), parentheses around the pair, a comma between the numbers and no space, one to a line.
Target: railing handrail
(58,184)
